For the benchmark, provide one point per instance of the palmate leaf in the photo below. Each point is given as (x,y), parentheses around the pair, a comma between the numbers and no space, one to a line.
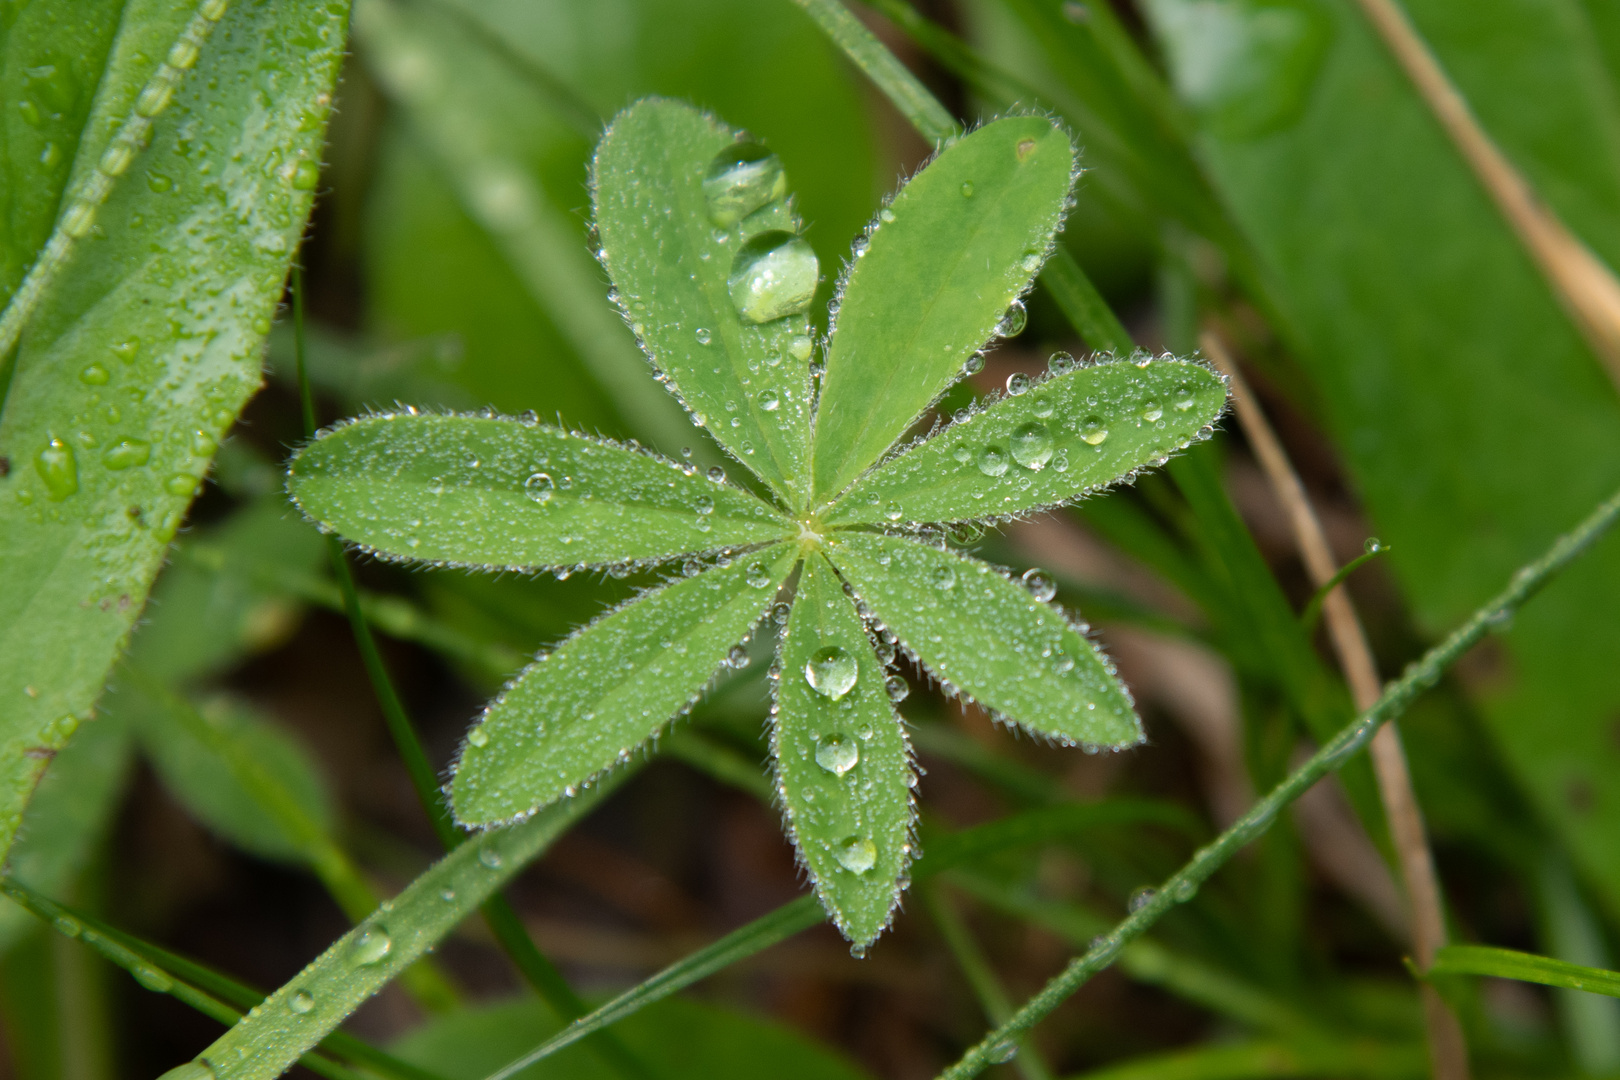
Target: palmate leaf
(1056,440)
(145,343)
(958,244)
(507,494)
(582,708)
(702,246)
(990,638)
(843,766)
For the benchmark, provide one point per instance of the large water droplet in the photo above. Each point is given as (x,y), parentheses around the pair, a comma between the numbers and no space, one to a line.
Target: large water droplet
(837,753)
(774,275)
(1017,383)
(369,946)
(992,461)
(1184,399)
(539,487)
(126,453)
(1013,322)
(897,688)
(1061,363)
(831,672)
(894,511)
(856,855)
(737,658)
(59,469)
(769,400)
(742,178)
(1040,584)
(1032,446)
(1151,411)
(759,575)
(1092,432)
(301,1002)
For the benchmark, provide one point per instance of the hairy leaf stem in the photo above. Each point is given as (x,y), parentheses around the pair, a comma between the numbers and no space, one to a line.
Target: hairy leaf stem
(1184,884)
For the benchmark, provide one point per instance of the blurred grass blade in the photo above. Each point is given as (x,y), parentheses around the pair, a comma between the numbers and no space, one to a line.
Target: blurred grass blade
(1262,1060)
(762,933)
(363,961)
(174,288)
(1057,440)
(843,767)
(932,280)
(507,494)
(701,239)
(586,706)
(1525,967)
(1047,824)
(990,639)
(455,102)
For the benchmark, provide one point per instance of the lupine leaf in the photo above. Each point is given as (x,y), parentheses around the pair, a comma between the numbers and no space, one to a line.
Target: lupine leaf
(487,493)
(146,343)
(958,244)
(1062,438)
(843,766)
(990,639)
(674,253)
(584,707)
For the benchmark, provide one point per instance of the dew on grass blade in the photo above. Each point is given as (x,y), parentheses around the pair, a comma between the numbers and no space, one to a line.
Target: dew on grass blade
(301,1002)
(369,946)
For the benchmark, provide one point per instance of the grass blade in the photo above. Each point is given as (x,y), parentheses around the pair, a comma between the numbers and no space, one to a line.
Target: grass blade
(507,494)
(1525,967)
(584,707)
(948,255)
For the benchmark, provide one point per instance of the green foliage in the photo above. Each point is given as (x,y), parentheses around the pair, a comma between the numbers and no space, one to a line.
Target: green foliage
(144,345)
(1526,967)
(676,195)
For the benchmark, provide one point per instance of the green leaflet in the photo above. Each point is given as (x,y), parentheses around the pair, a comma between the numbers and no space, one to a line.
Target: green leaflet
(990,639)
(708,269)
(367,958)
(494,494)
(1058,439)
(843,766)
(146,345)
(956,246)
(584,707)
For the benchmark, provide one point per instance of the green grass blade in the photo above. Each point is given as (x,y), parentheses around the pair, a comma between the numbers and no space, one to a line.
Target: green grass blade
(1051,823)
(468,114)
(956,246)
(508,494)
(584,707)
(763,932)
(1525,967)
(679,257)
(1057,440)
(990,639)
(843,766)
(1265,1059)
(299,1014)
(145,347)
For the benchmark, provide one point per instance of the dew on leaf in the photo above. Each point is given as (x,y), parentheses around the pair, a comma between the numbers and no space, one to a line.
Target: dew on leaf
(490,857)
(967,189)
(831,672)
(1151,411)
(95,375)
(759,576)
(478,737)
(59,469)
(893,512)
(703,336)
(856,855)
(703,504)
(737,658)
(1043,406)
(897,688)
(1061,363)
(769,400)
(1017,383)
(837,754)
(126,453)
(1031,446)
(742,178)
(1184,399)
(301,1002)
(799,347)
(1013,321)
(369,946)
(780,613)
(1040,584)
(773,275)
(1092,432)
(944,577)
(992,461)
(961,453)
(539,487)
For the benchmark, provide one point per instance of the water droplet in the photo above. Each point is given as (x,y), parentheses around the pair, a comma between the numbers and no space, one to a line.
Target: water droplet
(992,461)
(158,182)
(1185,890)
(95,375)
(1017,383)
(857,855)
(1061,363)
(301,1002)
(1092,432)
(1040,584)
(490,857)
(769,400)
(886,215)
(1151,411)
(1060,461)
(799,347)
(703,504)
(973,365)
(737,658)
(539,487)
(961,453)
(759,575)
(191,1070)
(127,350)
(67,926)
(780,613)
(59,469)
(477,737)
(837,754)
(1003,1052)
(1031,446)
(1373,546)
(1031,262)
(369,946)
(967,188)
(703,336)
(691,568)
(897,688)
(773,275)
(944,577)
(126,453)
(742,178)
(1141,898)
(831,672)
(893,512)
(1043,406)
(305,175)
(1184,399)
(1013,321)
(717,474)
